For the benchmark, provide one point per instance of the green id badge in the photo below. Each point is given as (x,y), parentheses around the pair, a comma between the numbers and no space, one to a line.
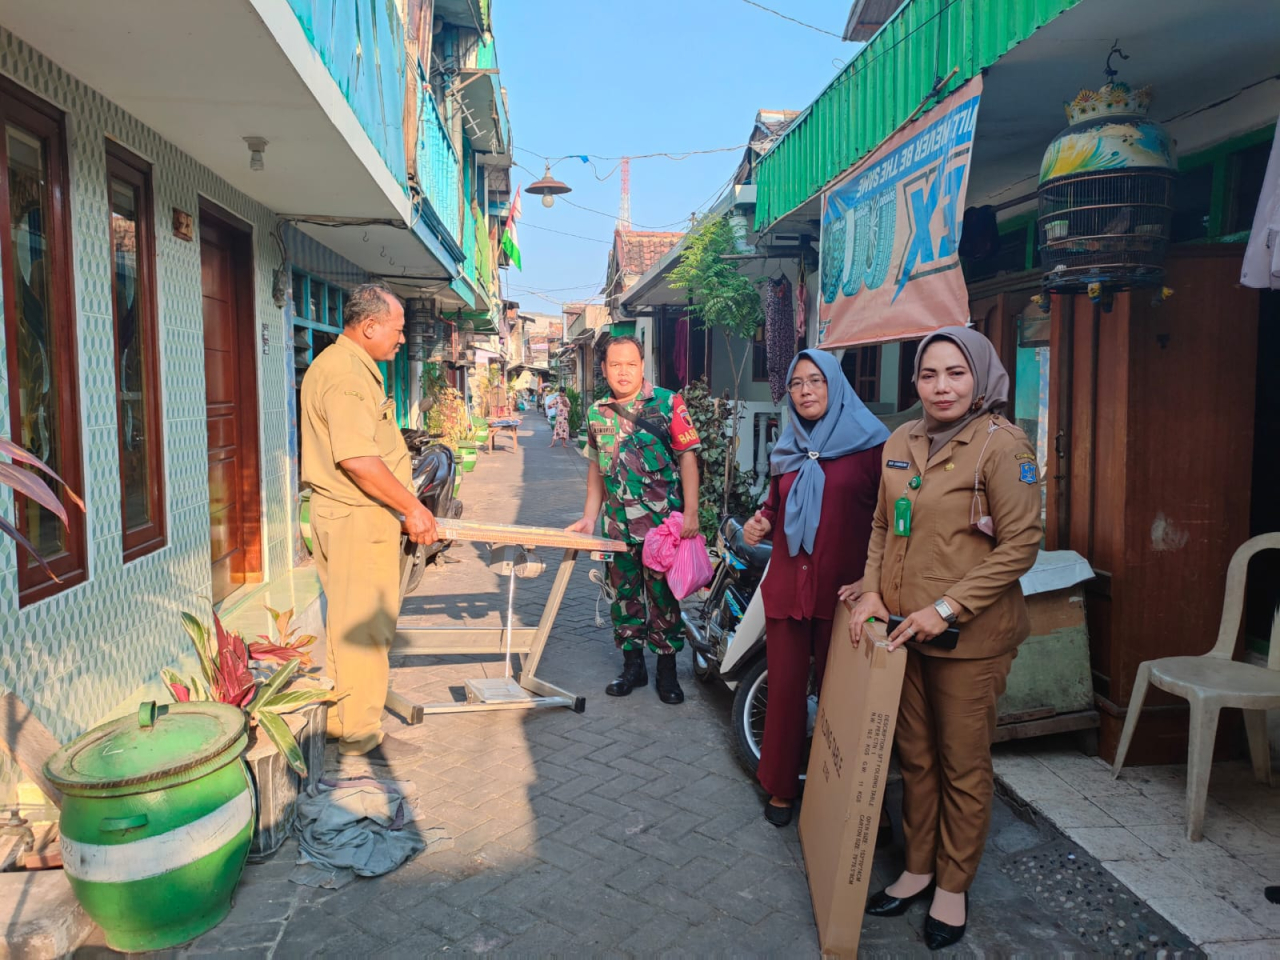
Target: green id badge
(902,517)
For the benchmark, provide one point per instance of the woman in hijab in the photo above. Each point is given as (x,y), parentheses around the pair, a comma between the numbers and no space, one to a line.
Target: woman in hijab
(825,474)
(957,523)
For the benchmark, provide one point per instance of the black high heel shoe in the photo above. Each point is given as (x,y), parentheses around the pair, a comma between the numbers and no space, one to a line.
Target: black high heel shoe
(778,816)
(885,904)
(938,935)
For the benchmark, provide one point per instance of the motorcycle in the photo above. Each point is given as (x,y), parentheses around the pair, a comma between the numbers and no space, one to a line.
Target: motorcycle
(434,470)
(726,634)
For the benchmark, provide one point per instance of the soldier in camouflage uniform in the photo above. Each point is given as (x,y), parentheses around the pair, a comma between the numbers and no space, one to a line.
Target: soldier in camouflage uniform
(642,448)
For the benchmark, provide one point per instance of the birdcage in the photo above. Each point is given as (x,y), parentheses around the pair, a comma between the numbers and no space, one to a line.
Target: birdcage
(1105,228)
(1106,194)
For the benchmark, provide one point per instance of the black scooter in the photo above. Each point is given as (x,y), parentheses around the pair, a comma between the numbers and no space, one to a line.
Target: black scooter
(434,470)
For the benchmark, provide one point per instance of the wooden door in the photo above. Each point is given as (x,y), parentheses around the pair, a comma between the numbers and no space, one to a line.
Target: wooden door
(231,406)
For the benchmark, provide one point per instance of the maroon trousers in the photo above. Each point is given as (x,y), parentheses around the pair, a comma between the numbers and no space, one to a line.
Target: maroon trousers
(788,646)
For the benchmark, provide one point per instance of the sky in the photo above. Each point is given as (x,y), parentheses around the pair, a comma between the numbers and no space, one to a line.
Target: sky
(611,78)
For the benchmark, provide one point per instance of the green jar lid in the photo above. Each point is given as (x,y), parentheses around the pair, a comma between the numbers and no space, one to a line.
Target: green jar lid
(159,747)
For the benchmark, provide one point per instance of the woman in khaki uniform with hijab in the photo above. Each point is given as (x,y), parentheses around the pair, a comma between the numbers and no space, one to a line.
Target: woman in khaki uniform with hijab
(958,522)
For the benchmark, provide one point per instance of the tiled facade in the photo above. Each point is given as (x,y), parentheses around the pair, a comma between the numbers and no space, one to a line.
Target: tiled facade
(75,657)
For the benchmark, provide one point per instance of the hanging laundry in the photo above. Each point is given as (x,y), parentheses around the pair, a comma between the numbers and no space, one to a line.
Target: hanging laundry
(802,311)
(779,334)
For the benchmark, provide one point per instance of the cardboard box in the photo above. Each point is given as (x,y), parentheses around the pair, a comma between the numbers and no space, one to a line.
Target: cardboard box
(848,770)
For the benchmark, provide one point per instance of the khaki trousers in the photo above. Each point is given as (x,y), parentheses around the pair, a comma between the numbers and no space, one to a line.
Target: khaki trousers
(946,719)
(357,552)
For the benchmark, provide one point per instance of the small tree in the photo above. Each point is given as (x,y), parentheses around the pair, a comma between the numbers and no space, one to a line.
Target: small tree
(707,414)
(723,298)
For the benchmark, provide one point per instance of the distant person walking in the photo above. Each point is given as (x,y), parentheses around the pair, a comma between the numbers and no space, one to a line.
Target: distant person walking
(560,405)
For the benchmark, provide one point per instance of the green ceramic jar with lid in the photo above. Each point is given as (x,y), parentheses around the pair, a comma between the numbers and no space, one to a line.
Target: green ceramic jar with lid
(157,818)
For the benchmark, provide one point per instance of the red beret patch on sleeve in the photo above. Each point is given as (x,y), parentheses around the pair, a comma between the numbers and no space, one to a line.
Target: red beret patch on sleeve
(683,434)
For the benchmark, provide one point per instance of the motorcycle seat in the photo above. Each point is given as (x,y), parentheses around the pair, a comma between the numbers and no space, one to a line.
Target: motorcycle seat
(433,466)
(757,556)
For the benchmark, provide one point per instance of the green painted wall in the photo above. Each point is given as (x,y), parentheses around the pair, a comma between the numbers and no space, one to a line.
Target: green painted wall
(361,43)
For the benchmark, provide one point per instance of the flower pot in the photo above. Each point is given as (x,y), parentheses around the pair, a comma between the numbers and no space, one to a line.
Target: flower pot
(156,822)
(275,783)
(467,458)
(304,519)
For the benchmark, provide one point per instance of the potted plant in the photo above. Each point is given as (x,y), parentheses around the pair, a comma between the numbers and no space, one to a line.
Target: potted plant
(261,678)
(29,485)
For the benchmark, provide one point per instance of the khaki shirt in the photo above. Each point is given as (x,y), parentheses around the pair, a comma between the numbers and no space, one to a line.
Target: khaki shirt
(944,554)
(344,414)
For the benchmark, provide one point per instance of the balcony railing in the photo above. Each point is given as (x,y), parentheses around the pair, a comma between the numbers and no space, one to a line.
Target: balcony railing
(361,44)
(439,173)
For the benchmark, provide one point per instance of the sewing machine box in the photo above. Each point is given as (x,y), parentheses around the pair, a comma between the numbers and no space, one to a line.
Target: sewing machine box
(844,790)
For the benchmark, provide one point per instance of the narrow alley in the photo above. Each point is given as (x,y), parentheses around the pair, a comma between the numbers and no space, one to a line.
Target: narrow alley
(629,830)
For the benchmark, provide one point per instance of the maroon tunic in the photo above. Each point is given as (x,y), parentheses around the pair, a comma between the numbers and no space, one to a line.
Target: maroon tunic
(804,586)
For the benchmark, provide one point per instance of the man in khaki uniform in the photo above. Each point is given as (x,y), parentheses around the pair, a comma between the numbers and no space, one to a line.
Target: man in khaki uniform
(357,465)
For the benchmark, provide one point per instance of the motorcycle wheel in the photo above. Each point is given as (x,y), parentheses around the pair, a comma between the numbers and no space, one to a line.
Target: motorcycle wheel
(415,575)
(749,702)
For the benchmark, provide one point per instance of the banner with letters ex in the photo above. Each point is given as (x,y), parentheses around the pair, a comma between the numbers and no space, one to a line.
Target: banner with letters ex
(891,232)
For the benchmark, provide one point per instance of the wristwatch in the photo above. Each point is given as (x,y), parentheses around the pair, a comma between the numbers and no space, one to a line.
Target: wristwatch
(945,611)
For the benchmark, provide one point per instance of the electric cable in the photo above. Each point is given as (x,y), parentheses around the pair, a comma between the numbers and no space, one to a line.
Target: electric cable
(576,236)
(673,155)
(760,6)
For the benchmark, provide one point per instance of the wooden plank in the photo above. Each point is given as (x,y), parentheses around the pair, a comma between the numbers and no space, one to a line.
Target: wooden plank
(523,536)
(29,742)
(1063,723)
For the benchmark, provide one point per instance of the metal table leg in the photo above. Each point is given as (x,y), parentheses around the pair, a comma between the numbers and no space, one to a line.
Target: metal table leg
(531,644)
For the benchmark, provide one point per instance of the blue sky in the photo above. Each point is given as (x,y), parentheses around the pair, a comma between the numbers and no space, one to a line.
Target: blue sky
(616,78)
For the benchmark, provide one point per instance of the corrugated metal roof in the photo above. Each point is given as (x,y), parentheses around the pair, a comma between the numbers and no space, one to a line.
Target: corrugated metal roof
(868,16)
(884,84)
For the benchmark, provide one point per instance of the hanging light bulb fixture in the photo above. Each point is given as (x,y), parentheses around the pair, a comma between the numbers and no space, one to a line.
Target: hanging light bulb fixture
(548,188)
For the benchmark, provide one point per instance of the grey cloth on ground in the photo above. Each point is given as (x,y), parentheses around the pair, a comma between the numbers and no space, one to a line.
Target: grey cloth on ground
(361,827)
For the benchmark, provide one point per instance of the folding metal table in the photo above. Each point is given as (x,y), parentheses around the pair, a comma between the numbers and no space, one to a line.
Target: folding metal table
(512,550)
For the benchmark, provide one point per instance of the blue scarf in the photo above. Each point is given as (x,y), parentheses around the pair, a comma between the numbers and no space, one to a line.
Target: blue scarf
(847,427)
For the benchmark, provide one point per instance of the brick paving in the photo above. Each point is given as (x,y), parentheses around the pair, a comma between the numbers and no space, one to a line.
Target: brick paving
(628,831)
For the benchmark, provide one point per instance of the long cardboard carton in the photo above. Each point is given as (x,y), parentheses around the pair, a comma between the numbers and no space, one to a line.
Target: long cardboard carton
(848,769)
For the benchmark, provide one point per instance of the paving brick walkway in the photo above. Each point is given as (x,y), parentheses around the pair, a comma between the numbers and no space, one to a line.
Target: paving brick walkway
(626,831)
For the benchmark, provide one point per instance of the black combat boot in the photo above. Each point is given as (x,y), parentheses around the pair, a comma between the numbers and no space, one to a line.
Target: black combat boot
(633,674)
(668,687)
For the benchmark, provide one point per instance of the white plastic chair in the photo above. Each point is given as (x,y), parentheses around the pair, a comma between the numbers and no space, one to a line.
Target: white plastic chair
(1213,681)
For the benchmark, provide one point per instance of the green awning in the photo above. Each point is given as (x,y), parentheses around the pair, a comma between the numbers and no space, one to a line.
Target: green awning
(884,83)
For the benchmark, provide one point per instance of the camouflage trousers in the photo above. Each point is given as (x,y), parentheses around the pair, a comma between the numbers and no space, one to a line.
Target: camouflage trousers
(643,609)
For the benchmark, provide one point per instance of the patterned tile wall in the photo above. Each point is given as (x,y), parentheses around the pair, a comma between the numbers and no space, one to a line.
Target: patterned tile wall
(74,657)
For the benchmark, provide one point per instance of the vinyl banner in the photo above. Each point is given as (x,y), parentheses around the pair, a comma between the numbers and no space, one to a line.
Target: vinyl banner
(891,232)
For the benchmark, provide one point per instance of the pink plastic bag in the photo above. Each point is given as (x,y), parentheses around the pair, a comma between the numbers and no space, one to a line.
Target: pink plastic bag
(685,562)
(692,568)
(660,543)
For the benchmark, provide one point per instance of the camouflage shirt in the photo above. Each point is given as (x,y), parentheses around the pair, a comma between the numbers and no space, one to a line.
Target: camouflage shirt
(641,475)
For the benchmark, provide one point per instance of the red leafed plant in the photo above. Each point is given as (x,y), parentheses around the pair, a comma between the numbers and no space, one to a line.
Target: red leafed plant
(27,483)
(290,646)
(225,676)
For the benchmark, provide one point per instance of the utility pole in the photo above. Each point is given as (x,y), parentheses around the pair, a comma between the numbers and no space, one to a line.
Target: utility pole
(624,208)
